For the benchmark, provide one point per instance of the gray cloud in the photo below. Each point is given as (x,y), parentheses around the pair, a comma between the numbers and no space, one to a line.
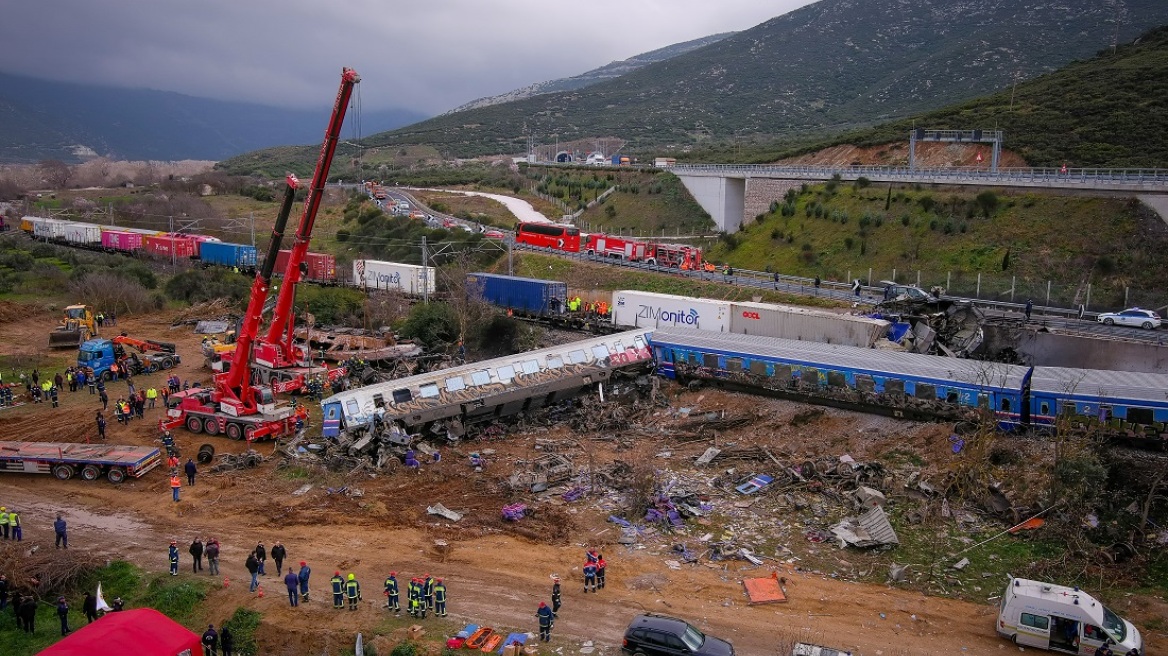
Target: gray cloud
(428,56)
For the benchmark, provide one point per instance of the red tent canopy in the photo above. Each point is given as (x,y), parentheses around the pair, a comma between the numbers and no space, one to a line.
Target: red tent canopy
(142,632)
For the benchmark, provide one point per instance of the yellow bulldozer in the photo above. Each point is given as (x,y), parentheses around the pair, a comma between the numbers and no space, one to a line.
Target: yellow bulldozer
(77,325)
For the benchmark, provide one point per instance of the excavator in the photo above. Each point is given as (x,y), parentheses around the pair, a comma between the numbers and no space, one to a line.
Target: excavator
(238,405)
(78,325)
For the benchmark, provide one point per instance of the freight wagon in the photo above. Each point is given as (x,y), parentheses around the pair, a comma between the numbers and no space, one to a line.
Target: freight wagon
(228,254)
(321,267)
(770,320)
(65,459)
(48,229)
(178,246)
(635,309)
(406,278)
(528,296)
(82,234)
(122,241)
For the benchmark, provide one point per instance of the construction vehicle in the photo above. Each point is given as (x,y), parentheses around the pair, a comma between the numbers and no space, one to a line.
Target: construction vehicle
(78,324)
(240,405)
(97,356)
(66,459)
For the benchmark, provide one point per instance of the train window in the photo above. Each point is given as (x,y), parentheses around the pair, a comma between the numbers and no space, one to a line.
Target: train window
(983,400)
(530,367)
(695,358)
(1068,409)
(455,384)
(378,401)
(836,379)
(639,343)
(809,378)
(428,391)
(1005,405)
(1140,416)
(758,367)
(402,395)
(1044,408)
(480,377)
(578,356)
(925,391)
(864,383)
(352,408)
(505,373)
(554,362)
(710,360)
(618,347)
(894,386)
(600,352)
(951,396)
(734,364)
(782,372)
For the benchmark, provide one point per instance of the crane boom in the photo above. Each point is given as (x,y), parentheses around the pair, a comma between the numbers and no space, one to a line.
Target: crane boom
(280,332)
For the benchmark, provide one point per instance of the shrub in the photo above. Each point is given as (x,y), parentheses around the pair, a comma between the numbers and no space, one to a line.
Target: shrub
(243,624)
(904,220)
(848,243)
(988,202)
(933,224)
(927,203)
(776,234)
(433,324)
(863,182)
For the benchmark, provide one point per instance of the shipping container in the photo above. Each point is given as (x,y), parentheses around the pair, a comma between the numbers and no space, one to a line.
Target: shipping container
(787,322)
(171,246)
(635,309)
(526,295)
(49,229)
(322,267)
(142,231)
(228,254)
(83,234)
(120,240)
(406,278)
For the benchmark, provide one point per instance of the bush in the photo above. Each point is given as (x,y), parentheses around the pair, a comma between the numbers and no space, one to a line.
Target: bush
(988,202)
(110,291)
(904,220)
(776,234)
(243,625)
(849,242)
(927,203)
(433,324)
(199,285)
(863,182)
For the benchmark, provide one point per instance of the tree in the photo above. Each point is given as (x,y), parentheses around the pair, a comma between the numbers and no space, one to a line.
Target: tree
(55,173)
(988,202)
(1006,260)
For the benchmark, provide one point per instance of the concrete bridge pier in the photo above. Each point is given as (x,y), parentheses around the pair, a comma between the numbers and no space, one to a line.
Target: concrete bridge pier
(723,197)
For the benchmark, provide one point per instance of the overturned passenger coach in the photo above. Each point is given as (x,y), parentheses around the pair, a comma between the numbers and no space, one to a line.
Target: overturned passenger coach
(488,389)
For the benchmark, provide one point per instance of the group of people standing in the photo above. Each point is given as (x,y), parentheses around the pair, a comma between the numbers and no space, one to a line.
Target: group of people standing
(423,593)
(594,570)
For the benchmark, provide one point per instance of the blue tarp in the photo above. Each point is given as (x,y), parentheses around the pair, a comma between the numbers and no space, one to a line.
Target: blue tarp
(521,638)
(897,331)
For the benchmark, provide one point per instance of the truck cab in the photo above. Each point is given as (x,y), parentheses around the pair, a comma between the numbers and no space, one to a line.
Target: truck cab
(1062,619)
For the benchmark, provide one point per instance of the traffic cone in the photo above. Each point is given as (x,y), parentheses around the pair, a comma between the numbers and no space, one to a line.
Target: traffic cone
(226,581)
(260,590)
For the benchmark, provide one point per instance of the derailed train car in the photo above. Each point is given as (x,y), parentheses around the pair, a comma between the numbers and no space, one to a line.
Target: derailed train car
(482,390)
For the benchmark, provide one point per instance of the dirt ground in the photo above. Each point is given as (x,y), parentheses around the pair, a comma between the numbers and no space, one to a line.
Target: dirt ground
(497,572)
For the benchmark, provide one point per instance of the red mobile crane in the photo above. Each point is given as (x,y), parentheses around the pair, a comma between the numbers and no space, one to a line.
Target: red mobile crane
(278,361)
(236,406)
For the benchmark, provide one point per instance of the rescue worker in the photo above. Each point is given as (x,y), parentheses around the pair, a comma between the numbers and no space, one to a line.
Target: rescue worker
(174,557)
(175,485)
(353,591)
(338,590)
(210,640)
(14,526)
(59,528)
(227,642)
(545,622)
(428,592)
(101,424)
(439,598)
(190,470)
(302,575)
(292,582)
(168,442)
(53,395)
(590,576)
(392,596)
(600,571)
(556,596)
(151,396)
(420,596)
(63,613)
(4,522)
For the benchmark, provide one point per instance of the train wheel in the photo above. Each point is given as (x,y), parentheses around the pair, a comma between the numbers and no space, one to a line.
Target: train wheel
(63,472)
(234,431)
(194,424)
(211,427)
(91,472)
(116,475)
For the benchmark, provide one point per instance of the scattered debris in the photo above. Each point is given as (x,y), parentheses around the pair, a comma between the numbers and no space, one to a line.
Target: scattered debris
(961,564)
(707,457)
(867,497)
(764,591)
(514,512)
(442,511)
(755,484)
(872,529)
(303,489)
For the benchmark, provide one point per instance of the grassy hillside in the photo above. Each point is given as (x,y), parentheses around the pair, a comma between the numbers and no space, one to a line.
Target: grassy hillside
(951,237)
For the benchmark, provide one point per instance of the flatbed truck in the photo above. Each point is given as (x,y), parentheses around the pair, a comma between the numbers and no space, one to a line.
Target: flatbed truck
(66,459)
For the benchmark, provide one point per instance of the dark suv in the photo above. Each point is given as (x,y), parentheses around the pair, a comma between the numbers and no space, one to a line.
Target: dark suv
(661,635)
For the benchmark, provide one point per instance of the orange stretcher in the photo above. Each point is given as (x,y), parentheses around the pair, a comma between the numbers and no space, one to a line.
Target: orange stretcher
(492,642)
(479,637)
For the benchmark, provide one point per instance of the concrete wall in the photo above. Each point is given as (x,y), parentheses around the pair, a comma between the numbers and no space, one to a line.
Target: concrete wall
(761,192)
(1058,350)
(722,197)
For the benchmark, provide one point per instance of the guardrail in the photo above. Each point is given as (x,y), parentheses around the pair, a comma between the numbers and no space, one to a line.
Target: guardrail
(1115,176)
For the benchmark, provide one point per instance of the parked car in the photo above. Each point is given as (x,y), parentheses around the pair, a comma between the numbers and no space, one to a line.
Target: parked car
(494,234)
(660,635)
(1145,319)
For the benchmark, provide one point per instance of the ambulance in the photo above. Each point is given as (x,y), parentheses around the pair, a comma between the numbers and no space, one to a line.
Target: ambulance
(1062,619)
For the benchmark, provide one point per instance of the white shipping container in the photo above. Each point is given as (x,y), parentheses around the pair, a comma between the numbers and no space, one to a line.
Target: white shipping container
(648,310)
(406,278)
(787,322)
(83,234)
(48,229)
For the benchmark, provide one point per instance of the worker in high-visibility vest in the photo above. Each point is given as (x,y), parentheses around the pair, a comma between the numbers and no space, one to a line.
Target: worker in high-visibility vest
(151,396)
(353,591)
(4,522)
(175,485)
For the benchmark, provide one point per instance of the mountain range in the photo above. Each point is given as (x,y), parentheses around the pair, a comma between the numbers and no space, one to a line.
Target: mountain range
(595,76)
(826,67)
(42,119)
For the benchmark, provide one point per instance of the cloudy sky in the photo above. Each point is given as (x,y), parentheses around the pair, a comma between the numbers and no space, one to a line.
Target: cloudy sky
(426,55)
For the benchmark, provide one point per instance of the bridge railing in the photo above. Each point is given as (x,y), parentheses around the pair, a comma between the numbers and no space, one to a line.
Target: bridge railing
(964,173)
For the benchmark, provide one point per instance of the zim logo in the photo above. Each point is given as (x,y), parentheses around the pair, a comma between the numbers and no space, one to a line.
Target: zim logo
(750,315)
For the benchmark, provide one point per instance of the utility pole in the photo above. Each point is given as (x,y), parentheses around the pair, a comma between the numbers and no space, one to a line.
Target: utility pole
(510,259)
(252,216)
(170,224)
(425,272)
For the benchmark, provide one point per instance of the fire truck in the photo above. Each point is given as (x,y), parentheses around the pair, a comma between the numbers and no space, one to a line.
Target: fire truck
(676,256)
(239,404)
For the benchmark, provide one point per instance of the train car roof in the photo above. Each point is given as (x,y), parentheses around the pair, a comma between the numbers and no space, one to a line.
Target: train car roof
(892,363)
(1101,384)
(364,394)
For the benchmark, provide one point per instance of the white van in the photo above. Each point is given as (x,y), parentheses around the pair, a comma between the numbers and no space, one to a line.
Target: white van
(1062,619)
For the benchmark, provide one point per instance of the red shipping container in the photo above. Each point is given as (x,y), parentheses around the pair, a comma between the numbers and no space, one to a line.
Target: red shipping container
(321,266)
(117,240)
(167,246)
